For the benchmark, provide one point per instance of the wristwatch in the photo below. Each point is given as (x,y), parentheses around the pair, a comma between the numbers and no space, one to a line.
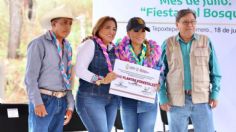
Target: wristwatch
(96,79)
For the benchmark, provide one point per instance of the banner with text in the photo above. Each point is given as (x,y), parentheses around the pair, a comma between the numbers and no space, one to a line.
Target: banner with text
(215,18)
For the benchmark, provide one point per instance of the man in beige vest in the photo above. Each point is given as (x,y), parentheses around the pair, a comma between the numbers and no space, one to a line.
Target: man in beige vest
(191,78)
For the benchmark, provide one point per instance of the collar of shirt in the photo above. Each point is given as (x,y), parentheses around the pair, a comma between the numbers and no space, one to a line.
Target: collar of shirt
(179,39)
(49,37)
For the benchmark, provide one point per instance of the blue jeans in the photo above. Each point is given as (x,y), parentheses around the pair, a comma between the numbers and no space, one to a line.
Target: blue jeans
(53,122)
(98,113)
(200,114)
(132,121)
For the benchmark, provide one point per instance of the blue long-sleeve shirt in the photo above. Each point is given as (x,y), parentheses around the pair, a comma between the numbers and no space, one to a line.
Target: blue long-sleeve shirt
(42,70)
(215,76)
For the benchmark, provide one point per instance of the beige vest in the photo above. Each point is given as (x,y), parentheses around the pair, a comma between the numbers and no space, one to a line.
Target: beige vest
(199,65)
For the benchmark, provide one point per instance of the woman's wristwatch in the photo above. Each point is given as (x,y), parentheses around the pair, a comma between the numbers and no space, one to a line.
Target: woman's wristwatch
(96,79)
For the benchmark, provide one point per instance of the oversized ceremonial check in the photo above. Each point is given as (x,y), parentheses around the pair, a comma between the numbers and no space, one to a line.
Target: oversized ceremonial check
(135,81)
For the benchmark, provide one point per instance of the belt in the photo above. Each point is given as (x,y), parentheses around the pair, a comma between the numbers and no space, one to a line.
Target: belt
(188,92)
(58,94)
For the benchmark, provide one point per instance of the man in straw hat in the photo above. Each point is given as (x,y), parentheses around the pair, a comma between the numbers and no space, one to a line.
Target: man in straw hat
(48,74)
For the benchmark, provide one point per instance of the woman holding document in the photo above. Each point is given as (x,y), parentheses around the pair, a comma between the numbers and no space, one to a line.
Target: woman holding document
(96,55)
(135,48)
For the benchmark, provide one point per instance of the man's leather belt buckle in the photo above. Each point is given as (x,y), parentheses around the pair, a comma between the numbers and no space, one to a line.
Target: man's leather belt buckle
(58,94)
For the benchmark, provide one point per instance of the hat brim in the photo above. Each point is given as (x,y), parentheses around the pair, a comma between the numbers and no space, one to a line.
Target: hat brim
(147,29)
(60,12)
(142,27)
(46,23)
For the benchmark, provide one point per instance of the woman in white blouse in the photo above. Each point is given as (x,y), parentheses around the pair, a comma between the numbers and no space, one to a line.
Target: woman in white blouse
(95,59)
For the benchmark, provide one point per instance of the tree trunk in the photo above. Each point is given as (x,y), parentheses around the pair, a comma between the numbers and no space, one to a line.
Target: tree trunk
(2,80)
(15,10)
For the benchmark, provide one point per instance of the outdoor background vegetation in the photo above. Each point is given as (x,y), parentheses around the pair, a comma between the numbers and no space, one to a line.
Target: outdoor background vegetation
(19,24)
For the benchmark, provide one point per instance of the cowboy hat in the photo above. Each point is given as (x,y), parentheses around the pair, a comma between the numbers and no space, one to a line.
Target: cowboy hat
(58,12)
